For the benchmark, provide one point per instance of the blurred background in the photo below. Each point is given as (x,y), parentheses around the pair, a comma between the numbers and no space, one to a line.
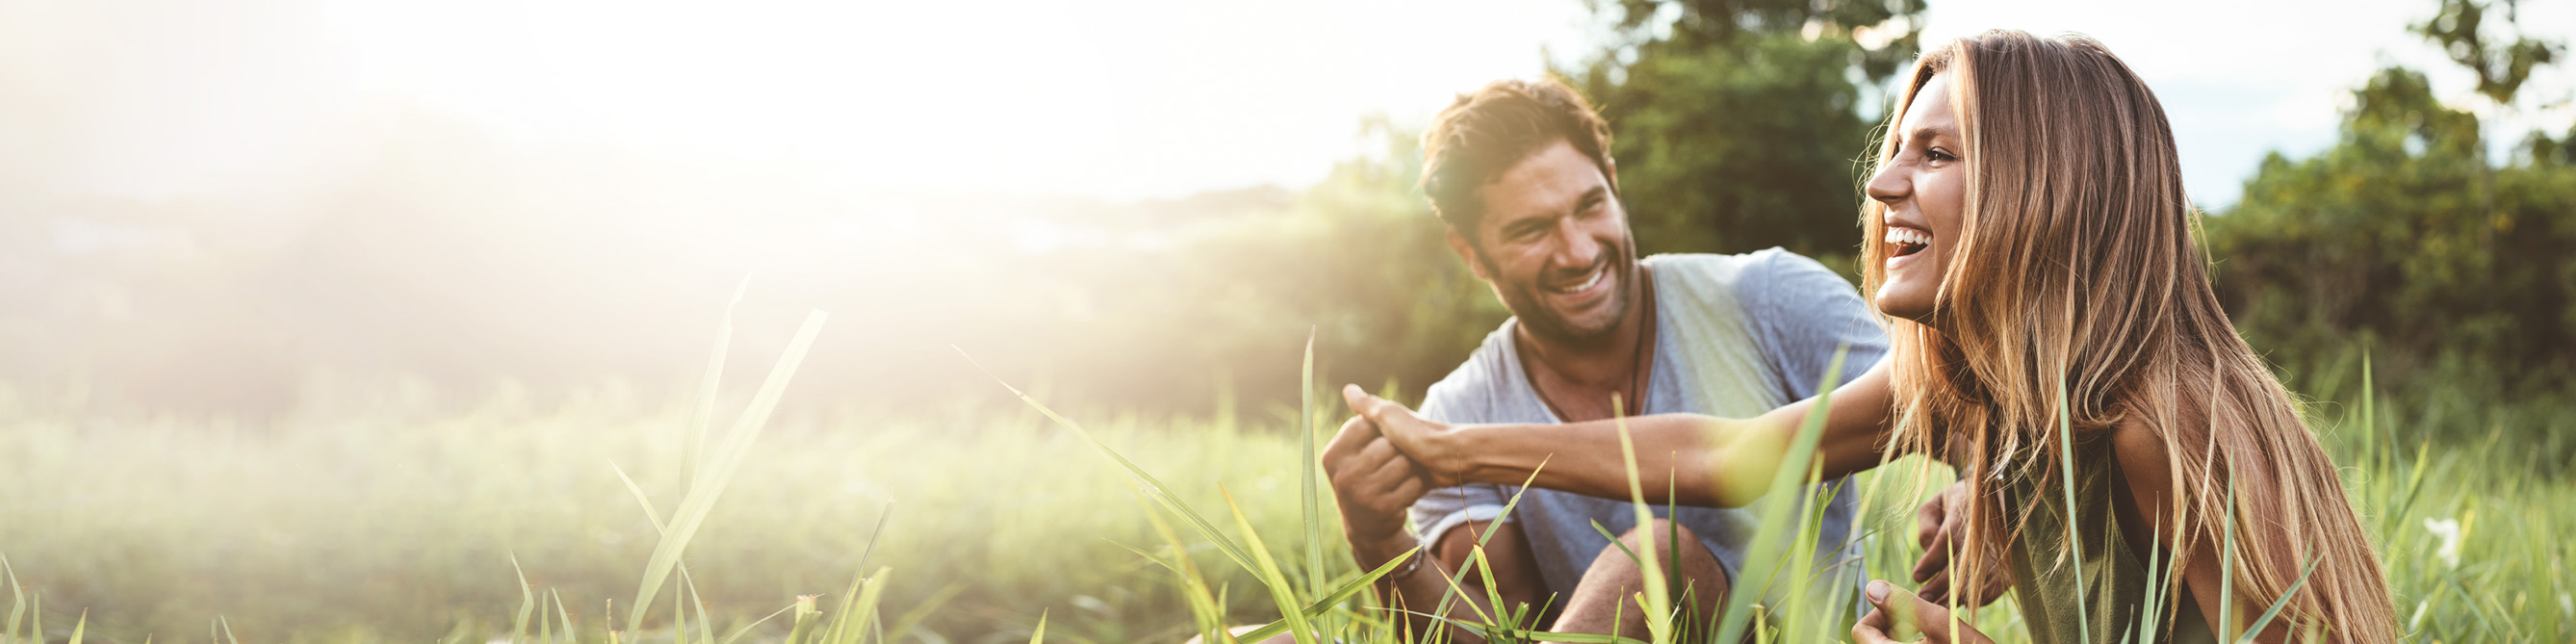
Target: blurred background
(270,217)
(223,207)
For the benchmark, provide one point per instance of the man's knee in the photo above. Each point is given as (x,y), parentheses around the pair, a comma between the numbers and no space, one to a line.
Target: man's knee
(1654,540)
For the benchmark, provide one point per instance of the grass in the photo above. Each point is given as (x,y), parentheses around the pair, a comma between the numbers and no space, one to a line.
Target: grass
(518,521)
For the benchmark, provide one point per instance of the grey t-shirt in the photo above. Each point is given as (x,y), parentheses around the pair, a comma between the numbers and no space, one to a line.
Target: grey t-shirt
(1736,336)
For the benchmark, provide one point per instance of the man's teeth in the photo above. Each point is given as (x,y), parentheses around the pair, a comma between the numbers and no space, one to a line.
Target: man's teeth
(1908,236)
(1587,284)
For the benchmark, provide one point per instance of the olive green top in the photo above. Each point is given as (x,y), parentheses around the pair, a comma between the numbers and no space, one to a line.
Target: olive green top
(2114,584)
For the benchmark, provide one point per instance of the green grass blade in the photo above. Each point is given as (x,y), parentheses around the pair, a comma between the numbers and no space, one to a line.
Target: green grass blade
(737,634)
(2227,567)
(640,498)
(81,627)
(807,617)
(2284,602)
(572,629)
(17,603)
(1205,609)
(1307,463)
(527,603)
(693,440)
(706,627)
(1039,636)
(1659,600)
(2066,481)
(1766,540)
(710,483)
(1281,594)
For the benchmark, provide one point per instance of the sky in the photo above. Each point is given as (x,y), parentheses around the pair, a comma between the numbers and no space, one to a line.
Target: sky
(1117,100)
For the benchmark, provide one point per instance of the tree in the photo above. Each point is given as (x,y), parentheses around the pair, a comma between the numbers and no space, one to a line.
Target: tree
(2405,233)
(1737,123)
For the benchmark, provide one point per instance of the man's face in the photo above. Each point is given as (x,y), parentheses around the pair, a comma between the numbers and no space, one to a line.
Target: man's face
(1555,245)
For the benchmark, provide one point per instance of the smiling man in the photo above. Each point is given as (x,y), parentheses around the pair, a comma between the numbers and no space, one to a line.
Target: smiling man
(1521,172)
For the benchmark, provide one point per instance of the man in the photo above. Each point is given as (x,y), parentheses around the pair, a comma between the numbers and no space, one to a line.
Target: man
(1521,173)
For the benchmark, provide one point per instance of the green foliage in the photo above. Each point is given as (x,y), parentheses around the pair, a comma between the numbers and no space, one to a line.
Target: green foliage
(1737,123)
(2404,234)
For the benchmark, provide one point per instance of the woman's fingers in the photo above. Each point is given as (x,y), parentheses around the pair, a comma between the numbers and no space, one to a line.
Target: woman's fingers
(1936,557)
(1927,520)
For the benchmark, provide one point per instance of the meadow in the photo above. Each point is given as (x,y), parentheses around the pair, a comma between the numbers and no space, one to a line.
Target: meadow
(395,518)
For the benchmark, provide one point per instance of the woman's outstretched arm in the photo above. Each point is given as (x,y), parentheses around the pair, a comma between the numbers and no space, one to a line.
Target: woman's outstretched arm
(1704,460)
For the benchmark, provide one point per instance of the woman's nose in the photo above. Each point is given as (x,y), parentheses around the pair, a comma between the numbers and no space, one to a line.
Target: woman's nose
(1889,186)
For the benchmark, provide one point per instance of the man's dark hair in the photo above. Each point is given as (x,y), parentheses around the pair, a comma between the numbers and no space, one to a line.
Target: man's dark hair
(1486,132)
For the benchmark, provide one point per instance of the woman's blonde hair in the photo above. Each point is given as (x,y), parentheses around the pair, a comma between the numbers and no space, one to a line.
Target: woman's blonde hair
(2075,270)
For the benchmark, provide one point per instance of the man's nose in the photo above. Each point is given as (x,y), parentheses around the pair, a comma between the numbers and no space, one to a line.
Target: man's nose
(1576,248)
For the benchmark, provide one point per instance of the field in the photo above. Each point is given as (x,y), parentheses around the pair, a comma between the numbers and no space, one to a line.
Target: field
(391,519)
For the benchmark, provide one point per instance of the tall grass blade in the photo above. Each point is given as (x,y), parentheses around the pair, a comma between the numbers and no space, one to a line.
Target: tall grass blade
(17,603)
(572,629)
(81,627)
(527,603)
(2284,602)
(2066,482)
(1767,540)
(693,441)
(737,633)
(1306,466)
(2227,568)
(1659,601)
(719,470)
(1282,594)
(1039,636)
(1207,610)
(706,627)
(807,617)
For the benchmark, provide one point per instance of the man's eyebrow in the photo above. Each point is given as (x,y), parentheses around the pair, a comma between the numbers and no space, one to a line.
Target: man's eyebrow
(1594,195)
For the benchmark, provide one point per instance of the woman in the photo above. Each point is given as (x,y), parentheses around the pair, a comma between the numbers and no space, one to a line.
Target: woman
(2030,249)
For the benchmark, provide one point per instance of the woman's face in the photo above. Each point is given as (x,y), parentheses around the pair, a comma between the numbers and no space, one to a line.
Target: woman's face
(1923,189)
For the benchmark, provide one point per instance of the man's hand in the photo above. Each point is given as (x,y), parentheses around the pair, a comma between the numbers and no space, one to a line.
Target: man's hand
(1941,526)
(1899,616)
(1374,484)
(1413,435)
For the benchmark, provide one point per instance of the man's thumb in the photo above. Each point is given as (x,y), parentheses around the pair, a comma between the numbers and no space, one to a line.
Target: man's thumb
(1360,401)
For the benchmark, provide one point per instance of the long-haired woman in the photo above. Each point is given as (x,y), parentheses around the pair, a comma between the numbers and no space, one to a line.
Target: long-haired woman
(2030,247)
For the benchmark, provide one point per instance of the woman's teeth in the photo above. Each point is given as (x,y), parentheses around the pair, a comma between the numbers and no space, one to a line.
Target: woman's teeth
(1586,285)
(1908,236)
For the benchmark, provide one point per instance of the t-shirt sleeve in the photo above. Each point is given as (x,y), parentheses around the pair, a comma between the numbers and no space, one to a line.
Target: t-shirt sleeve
(1805,312)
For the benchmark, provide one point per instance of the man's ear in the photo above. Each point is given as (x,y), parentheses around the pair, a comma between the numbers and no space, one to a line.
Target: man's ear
(1467,253)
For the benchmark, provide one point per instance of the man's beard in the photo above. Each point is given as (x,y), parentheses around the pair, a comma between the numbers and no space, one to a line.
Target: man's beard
(1547,324)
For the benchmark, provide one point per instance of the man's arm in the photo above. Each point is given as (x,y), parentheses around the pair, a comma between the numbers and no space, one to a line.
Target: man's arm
(1707,461)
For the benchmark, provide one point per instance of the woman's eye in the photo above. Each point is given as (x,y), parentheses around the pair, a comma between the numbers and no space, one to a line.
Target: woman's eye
(1938,155)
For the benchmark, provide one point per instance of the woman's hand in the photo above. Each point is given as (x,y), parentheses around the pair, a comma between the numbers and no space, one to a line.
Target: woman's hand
(1899,616)
(1941,526)
(1425,442)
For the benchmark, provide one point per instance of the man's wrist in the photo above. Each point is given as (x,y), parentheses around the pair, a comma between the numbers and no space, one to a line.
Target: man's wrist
(1373,552)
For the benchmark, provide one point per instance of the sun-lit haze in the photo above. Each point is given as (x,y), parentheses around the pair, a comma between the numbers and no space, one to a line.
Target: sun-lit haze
(232,201)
